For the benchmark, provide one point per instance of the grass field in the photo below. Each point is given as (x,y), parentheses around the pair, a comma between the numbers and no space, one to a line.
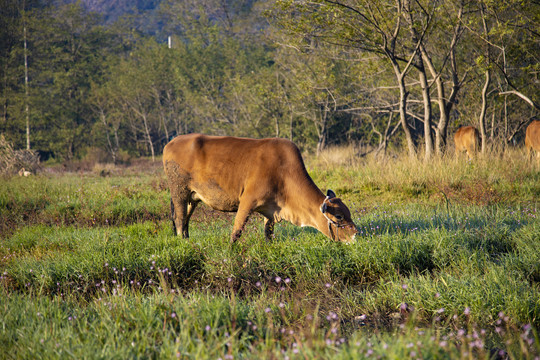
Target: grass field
(447,266)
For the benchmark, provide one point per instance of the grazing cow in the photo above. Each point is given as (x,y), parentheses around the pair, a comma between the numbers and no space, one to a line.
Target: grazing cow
(532,138)
(467,138)
(267,176)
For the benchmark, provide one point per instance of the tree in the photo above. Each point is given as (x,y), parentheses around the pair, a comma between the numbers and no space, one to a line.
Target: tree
(369,27)
(439,53)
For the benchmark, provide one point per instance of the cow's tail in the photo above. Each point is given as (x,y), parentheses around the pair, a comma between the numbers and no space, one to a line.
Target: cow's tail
(173,217)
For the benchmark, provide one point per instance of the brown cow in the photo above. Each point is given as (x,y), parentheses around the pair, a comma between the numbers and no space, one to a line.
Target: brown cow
(532,138)
(267,176)
(467,138)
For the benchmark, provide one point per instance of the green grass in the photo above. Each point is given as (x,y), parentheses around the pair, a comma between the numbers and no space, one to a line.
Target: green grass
(446,267)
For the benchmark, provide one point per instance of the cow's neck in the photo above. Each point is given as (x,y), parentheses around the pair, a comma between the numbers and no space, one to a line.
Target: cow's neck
(305,209)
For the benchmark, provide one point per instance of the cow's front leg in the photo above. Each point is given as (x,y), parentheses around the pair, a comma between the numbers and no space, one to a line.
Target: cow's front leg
(242,215)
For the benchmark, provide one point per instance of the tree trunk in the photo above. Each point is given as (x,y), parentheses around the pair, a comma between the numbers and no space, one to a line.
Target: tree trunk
(403,110)
(427,110)
(112,148)
(482,118)
(26,106)
(148,137)
(321,142)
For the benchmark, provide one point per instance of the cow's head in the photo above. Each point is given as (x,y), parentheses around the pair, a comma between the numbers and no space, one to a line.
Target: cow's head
(340,224)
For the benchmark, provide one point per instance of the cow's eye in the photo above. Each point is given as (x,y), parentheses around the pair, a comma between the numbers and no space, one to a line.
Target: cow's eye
(339,217)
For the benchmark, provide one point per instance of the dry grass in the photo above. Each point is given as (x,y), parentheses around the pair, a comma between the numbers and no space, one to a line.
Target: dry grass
(507,177)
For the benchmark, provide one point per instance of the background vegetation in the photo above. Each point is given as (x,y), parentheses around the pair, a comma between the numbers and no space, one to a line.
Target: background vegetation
(99,80)
(446,266)
(447,261)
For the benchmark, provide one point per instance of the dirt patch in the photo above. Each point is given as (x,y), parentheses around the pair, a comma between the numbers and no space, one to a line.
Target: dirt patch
(479,193)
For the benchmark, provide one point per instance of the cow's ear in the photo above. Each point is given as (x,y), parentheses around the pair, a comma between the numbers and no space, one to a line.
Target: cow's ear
(330,194)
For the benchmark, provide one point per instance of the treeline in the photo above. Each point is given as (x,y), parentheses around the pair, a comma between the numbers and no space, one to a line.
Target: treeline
(400,74)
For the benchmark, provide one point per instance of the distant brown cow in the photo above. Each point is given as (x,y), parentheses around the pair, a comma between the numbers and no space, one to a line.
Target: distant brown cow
(532,138)
(267,176)
(467,138)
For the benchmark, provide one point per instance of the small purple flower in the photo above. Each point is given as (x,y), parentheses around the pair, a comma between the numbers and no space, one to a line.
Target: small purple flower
(277,279)
(258,284)
(207,328)
(467,310)
(267,310)
(404,286)
(287,280)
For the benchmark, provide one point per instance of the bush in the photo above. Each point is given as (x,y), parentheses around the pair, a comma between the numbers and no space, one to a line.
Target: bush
(16,161)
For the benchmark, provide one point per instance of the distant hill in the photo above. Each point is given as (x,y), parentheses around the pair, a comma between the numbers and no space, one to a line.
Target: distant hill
(113,9)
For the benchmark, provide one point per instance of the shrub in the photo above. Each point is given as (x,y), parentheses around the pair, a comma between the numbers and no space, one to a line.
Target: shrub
(16,161)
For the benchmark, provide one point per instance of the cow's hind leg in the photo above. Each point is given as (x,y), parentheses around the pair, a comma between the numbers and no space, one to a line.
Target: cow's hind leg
(182,205)
(269,228)
(179,204)
(173,216)
(191,205)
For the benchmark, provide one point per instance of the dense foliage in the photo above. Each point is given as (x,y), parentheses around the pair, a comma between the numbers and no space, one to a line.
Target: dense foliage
(123,81)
